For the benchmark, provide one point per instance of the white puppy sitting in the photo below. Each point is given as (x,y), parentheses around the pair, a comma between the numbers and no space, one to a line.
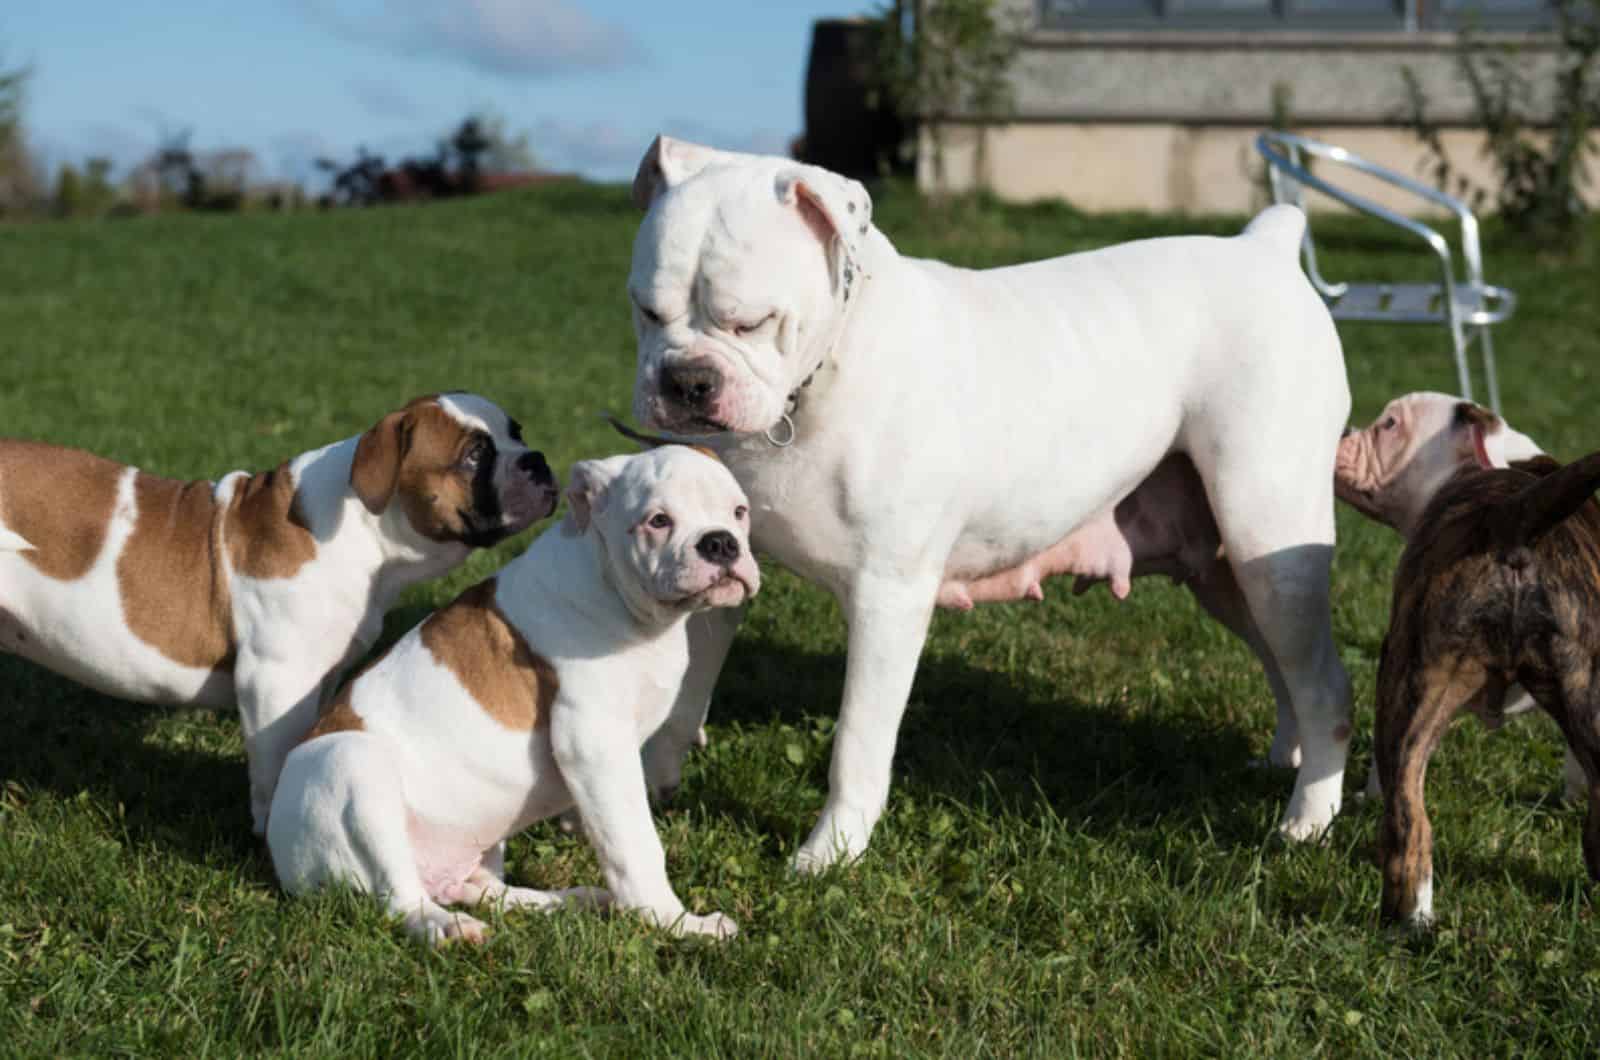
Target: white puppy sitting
(528,695)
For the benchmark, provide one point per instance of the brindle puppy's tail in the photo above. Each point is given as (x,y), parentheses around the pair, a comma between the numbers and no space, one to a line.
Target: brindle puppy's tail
(1522,520)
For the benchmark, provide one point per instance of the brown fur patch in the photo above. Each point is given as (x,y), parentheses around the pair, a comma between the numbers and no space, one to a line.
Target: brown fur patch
(472,639)
(61,500)
(173,586)
(266,531)
(339,715)
(416,453)
(432,485)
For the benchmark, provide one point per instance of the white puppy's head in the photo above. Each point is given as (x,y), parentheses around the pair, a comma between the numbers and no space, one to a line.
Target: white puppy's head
(452,468)
(742,268)
(1391,470)
(673,526)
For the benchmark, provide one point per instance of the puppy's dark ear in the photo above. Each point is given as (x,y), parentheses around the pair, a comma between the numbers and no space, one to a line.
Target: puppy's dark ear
(375,471)
(1475,423)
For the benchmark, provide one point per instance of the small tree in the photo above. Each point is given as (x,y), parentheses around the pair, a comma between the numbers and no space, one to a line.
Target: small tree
(19,180)
(945,59)
(1543,167)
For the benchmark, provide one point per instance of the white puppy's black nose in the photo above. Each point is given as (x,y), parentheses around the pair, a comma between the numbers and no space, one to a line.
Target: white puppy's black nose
(692,385)
(719,547)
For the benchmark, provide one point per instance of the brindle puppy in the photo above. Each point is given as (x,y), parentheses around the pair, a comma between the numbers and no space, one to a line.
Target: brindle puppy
(1498,584)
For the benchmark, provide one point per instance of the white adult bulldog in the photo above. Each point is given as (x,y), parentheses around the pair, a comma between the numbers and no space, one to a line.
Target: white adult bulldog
(913,434)
(528,695)
(254,589)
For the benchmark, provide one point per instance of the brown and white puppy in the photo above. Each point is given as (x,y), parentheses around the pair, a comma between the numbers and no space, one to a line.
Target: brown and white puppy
(1499,583)
(529,695)
(255,589)
(1394,468)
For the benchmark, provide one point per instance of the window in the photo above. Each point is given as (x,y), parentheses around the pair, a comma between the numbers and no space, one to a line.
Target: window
(1387,15)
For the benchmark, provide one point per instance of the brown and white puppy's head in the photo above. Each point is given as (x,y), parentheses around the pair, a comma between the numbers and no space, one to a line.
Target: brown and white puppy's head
(742,269)
(453,469)
(673,528)
(1393,468)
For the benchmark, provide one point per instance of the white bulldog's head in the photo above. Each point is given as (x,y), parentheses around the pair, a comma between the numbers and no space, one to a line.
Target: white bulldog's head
(742,268)
(673,526)
(1391,470)
(452,468)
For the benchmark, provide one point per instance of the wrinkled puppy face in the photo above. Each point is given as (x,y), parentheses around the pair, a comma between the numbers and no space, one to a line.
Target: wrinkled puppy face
(674,527)
(455,466)
(1393,468)
(742,267)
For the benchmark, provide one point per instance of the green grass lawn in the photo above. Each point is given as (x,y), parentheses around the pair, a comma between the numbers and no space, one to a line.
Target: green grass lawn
(1078,856)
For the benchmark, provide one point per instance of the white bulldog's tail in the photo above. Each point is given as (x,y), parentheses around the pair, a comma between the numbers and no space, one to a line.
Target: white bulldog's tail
(1282,225)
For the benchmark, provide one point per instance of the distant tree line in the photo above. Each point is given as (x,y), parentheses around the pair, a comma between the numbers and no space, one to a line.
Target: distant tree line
(480,154)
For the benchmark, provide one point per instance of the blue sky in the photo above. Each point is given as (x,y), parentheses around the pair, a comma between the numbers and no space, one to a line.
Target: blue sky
(590,81)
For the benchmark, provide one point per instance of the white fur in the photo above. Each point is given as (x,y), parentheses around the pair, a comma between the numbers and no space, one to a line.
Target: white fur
(414,806)
(294,635)
(960,421)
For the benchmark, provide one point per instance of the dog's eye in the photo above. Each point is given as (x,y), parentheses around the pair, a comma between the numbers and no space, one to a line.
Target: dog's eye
(651,315)
(741,513)
(477,454)
(1389,423)
(660,521)
(751,329)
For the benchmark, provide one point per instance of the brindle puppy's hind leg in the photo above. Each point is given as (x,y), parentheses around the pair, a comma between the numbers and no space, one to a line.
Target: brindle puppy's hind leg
(1416,701)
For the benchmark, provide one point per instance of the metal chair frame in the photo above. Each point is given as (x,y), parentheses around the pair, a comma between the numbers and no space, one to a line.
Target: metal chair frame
(1468,310)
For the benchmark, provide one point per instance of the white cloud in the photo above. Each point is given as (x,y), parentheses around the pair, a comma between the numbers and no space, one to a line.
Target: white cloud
(513,38)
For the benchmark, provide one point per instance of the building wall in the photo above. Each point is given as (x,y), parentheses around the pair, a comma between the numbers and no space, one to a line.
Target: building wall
(1146,116)
(1185,168)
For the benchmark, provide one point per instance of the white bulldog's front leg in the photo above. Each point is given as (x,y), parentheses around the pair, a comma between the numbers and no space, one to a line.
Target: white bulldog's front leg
(710,634)
(276,709)
(598,755)
(888,616)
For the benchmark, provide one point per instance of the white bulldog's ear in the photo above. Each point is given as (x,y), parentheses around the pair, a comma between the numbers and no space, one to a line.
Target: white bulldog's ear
(837,208)
(670,162)
(586,492)
(375,470)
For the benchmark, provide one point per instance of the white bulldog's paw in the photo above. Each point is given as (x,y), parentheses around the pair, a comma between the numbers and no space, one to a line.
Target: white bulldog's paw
(830,843)
(438,926)
(712,925)
(1305,827)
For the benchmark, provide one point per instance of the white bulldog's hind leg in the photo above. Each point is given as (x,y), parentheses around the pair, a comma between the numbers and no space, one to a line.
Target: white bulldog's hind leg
(1217,591)
(1274,509)
(339,816)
